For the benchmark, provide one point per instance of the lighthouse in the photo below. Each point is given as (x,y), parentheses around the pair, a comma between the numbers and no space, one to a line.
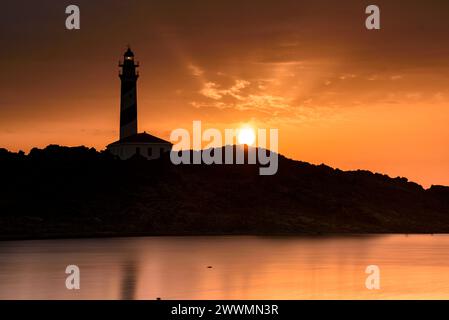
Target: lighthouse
(131,143)
(128,95)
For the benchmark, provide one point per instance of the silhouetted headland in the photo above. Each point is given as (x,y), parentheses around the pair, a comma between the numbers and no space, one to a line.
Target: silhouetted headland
(79,192)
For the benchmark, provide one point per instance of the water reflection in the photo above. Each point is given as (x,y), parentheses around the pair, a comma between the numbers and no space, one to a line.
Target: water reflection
(416,266)
(129,280)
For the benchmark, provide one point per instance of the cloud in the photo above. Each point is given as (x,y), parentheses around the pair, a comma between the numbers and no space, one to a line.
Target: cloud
(213,91)
(266,103)
(347,76)
(195,70)
(396,77)
(210,90)
(235,97)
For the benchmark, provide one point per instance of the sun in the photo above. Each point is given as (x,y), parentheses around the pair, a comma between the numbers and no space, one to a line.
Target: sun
(246,136)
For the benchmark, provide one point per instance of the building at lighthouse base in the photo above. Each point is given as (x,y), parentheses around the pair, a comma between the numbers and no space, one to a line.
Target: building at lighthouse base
(140,144)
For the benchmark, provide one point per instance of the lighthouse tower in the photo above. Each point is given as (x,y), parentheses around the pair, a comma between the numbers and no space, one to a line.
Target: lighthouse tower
(128,98)
(131,143)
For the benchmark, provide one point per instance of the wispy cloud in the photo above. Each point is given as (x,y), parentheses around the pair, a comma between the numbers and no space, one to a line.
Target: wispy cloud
(213,91)
(241,96)
(195,70)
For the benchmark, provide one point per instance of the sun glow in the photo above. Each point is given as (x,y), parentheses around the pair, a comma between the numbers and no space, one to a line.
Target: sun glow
(246,136)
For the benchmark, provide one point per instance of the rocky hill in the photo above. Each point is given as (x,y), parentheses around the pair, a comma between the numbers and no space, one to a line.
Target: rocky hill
(79,192)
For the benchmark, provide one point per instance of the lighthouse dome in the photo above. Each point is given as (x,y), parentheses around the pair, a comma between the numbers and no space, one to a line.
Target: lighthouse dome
(129,53)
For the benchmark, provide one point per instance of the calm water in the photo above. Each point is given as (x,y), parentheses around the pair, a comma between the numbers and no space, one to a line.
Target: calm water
(242,268)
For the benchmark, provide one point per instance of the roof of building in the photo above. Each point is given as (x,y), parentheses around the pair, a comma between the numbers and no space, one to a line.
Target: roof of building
(140,138)
(129,53)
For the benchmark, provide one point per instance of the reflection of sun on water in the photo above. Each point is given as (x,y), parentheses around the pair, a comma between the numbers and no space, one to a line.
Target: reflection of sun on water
(246,136)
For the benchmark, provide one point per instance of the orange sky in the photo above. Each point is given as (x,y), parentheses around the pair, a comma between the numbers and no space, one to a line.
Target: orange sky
(339,94)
